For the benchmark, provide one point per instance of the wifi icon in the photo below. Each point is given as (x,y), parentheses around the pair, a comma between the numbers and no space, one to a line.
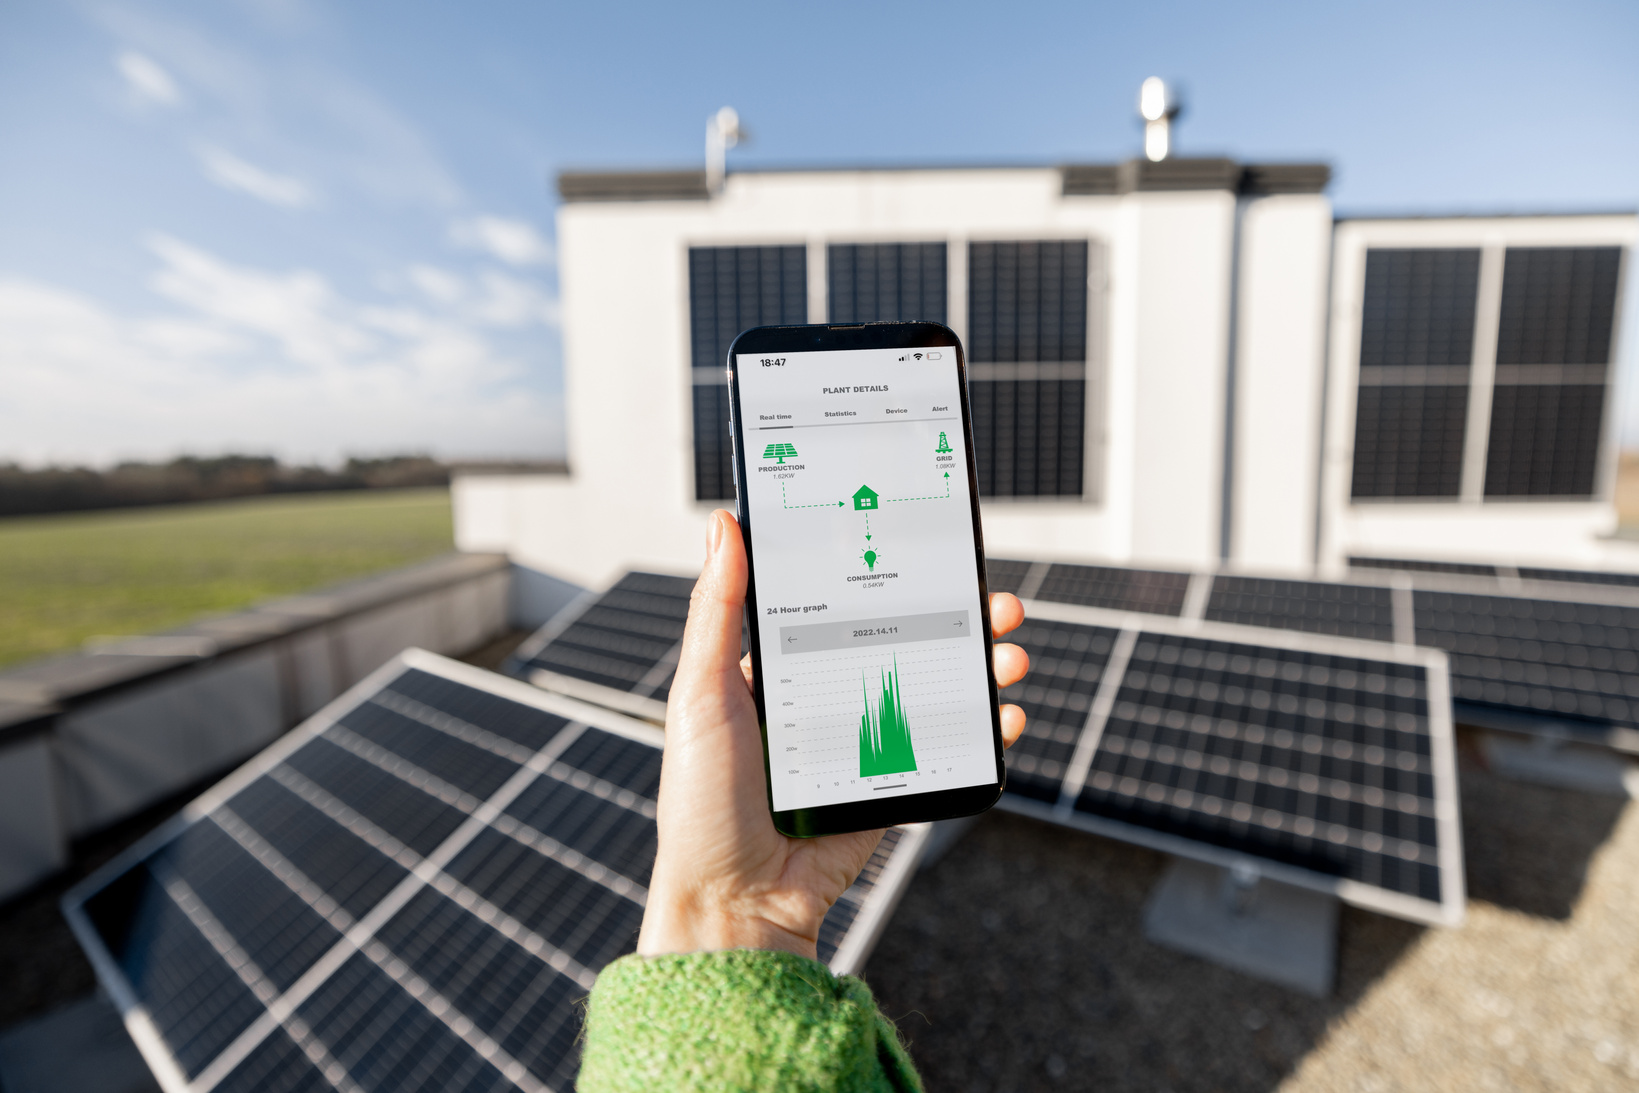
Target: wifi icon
(918,356)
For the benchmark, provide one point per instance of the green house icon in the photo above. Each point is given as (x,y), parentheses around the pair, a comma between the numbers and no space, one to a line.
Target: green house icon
(865,498)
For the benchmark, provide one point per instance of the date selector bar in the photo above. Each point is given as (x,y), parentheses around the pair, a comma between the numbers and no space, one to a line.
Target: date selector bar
(820,636)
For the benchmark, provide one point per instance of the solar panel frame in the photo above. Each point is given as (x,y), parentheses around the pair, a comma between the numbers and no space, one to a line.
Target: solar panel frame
(1448,910)
(865,907)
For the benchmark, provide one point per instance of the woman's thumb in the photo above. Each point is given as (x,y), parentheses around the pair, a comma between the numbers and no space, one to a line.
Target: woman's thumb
(711,641)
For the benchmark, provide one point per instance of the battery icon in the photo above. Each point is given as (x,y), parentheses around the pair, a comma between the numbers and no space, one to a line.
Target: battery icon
(934,356)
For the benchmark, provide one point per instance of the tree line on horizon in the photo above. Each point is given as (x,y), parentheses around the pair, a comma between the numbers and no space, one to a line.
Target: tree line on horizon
(29,491)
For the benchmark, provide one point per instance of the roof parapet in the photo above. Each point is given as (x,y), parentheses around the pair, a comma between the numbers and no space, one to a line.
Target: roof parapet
(1079,180)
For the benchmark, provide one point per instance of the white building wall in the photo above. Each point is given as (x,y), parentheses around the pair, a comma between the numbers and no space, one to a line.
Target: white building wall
(1285,256)
(1470,527)
(1179,353)
(1160,322)
(628,498)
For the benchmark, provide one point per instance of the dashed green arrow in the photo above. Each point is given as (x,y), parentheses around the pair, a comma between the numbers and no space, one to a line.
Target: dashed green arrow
(929,497)
(787,503)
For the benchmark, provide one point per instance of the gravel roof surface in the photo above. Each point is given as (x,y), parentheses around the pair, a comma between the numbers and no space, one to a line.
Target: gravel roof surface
(1018,962)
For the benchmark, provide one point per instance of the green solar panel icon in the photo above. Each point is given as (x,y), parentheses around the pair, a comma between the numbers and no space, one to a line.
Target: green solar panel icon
(780,451)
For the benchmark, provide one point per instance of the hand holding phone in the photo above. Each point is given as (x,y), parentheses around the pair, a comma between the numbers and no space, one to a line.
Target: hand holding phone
(867,609)
(723,877)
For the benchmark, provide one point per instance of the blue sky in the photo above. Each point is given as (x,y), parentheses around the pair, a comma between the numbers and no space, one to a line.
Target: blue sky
(322,230)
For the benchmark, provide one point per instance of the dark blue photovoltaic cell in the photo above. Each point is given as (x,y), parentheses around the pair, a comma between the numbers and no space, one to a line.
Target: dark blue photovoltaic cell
(1320,761)
(619,640)
(1066,665)
(620,838)
(1579,576)
(345,867)
(515,997)
(616,759)
(195,1000)
(1316,607)
(388,1041)
(408,814)
(1552,659)
(1152,591)
(276,1066)
(464,765)
(282,932)
(519,723)
(584,919)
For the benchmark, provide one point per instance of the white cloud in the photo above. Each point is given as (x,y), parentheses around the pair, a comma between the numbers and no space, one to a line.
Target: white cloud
(515,242)
(254,360)
(232,173)
(492,299)
(440,285)
(509,302)
(147,79)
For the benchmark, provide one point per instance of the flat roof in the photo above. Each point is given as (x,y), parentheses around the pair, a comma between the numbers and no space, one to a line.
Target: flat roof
(1078,179)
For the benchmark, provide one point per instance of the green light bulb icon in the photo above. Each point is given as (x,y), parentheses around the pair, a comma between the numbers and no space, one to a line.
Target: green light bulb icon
(870,560)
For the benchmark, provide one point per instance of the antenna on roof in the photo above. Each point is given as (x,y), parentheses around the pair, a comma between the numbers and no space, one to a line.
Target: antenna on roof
(1157,105)
(723,131)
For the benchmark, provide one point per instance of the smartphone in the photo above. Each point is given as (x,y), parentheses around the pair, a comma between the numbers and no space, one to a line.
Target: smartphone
(867,609)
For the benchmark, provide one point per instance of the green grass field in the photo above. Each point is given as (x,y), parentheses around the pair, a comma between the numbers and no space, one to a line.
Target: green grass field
(66,579)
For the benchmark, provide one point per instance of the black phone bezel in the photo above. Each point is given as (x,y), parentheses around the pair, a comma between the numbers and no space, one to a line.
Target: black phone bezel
(913,808)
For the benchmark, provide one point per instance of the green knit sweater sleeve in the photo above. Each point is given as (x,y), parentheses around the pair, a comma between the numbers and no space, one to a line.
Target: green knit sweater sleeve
(737,1020)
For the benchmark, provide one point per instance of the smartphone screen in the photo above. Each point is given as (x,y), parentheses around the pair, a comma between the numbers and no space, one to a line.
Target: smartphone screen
(871,631)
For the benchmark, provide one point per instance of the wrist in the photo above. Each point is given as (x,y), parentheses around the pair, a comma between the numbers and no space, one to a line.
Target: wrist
(685,923)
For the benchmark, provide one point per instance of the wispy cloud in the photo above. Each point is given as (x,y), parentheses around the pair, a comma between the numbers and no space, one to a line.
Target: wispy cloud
(148,79)
(310,110)
(491,299)
(515,242)
(252,359)
(232,173)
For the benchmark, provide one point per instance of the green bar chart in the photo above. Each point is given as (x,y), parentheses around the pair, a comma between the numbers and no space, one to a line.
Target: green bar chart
(884,730)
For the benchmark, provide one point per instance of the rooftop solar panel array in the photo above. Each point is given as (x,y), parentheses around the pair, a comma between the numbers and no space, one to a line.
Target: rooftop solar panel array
(1324,758)
(413,890)
(1527,656)
(1331,758)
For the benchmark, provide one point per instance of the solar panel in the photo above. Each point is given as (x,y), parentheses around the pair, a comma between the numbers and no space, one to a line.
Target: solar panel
(1484,569)
(1564,665)
(1027,347)
(1328,760)
(618,648)
(1152,591)
(1317,607)
(1472,569)
(1416,348)
(1067,667)
(413,890)
(1578,576)
(1545,652)
(733,289)
(885,282)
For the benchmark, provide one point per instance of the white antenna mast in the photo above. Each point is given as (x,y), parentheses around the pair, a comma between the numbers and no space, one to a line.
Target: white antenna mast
(723,131)
(1157,105)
